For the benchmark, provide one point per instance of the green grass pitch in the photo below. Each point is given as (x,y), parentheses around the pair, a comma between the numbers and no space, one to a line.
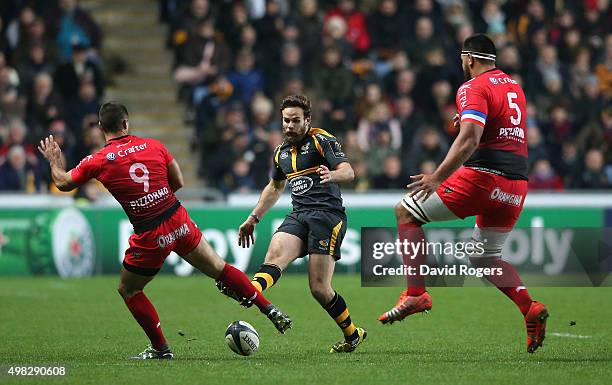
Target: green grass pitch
(472,336)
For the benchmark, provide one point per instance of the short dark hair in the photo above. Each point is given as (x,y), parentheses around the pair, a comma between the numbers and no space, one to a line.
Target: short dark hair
(300,101)
(480,43)
(111,116)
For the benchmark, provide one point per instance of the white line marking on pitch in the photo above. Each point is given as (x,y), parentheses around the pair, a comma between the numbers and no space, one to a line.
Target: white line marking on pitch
(568,335)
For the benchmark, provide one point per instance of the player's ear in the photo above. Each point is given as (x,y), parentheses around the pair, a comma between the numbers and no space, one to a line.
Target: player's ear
(125,123)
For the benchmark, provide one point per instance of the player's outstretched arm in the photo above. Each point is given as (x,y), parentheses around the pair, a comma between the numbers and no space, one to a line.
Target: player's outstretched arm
(53,153)
(268,198)
(342,173)
(175,176)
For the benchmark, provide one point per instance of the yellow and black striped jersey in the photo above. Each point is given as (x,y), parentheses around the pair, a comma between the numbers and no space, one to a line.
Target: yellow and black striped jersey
(299,163)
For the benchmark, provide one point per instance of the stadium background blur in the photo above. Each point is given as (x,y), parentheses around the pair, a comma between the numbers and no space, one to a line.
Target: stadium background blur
(382,76)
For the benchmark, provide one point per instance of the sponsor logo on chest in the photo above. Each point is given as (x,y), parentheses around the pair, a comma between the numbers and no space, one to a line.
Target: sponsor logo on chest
(513,133)
(130,150)
(150,199)
(301,185)
(502,80)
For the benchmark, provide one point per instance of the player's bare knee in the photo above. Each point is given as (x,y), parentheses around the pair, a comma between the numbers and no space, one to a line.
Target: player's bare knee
(320,294)
(125,291)
(217,266)
(274,255)
(205,259)
(212,266)
(120,290)
(399,211)
(321,291)
(404,216)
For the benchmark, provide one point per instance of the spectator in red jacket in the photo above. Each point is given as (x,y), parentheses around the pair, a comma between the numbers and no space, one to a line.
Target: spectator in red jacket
(357,30)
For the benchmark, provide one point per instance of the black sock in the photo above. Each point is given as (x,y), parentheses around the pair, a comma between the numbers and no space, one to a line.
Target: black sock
(266,276)
(337,309)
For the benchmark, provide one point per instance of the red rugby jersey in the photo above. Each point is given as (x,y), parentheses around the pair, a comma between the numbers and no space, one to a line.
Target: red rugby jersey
(135,171)
(496,102)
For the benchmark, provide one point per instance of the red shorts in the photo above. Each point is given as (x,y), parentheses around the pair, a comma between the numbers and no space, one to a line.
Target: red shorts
(495,200)
(148,250)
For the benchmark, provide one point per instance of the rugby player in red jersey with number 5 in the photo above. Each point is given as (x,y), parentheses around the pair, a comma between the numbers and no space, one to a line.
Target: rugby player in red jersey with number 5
(485,175)
(143,177)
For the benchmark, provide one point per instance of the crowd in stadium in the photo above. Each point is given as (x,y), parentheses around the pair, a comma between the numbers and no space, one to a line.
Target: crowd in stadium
(382,75)
(51,82)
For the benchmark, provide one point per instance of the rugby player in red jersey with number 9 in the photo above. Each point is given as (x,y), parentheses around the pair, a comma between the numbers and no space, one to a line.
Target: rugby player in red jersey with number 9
(143,177)
(491,185)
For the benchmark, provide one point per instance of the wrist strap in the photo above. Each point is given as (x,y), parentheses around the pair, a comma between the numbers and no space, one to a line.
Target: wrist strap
(254,216)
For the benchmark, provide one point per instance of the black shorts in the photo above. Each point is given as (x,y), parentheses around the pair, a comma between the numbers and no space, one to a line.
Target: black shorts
(322,231)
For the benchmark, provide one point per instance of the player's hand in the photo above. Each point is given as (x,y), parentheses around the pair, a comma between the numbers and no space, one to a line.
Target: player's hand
(245,233)
(324,174)
(423,186)
(456,122)
(51,150)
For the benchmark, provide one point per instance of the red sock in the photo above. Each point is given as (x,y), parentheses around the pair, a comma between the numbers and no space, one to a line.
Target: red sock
(508,282)
(413,233)
(143,310)
(240,283)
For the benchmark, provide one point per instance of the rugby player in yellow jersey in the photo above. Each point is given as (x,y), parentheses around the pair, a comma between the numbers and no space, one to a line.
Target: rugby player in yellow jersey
(311,159)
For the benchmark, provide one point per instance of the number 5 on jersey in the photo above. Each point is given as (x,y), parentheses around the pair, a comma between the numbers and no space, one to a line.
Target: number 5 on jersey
(515,121)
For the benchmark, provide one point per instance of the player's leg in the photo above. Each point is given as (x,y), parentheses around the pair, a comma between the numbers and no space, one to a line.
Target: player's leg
(205,259)
(284,248)
(143,260)
(287,244)
(454,199)
(131,286)
(194,249)
(492,229)
(508,281)
(326,232)
(411,215)
(409,228)
(504,276)
(320,272)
